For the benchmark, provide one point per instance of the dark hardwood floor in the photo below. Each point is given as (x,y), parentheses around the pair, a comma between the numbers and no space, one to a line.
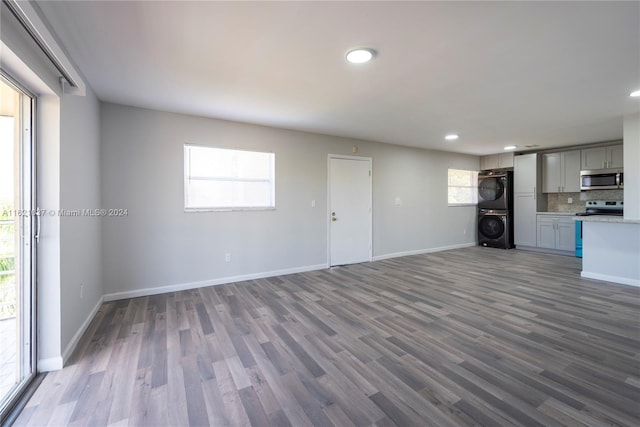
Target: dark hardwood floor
(475,336)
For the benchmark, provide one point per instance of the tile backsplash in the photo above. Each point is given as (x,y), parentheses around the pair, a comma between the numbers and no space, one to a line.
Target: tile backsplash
(557,202)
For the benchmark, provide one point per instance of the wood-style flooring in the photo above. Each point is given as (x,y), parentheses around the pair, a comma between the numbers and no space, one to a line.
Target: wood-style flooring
(475,336)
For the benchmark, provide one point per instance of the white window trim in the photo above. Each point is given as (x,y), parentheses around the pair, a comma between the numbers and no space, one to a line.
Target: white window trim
(233,208)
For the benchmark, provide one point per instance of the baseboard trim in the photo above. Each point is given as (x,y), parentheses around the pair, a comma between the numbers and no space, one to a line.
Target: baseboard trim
(546,250)
(423,251)
(76,337)
(220,281)
(608,278)
(50,364)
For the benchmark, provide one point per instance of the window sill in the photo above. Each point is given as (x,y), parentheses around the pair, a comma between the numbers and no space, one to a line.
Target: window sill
(192,210)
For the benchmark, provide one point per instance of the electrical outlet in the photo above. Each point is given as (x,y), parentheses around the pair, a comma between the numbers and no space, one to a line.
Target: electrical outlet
(227,257)
(569,200)
(313,203)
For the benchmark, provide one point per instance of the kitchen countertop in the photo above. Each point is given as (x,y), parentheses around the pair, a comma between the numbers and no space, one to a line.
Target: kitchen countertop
(556,213)
(607,218)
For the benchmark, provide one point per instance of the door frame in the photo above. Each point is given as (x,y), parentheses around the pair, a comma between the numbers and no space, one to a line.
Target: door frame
(30,225)
(328,213)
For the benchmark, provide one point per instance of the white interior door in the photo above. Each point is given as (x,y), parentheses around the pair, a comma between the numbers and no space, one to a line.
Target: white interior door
(350,228)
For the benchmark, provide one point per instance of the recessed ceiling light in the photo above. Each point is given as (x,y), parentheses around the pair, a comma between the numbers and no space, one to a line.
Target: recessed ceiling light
(636,93)
(451,137)
(510,147)
(360,56)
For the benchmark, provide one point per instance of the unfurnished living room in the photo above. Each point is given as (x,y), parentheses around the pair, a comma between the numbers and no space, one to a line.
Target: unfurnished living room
(319,213)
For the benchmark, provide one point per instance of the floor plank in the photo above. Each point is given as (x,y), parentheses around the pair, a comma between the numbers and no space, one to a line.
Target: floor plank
(473,336)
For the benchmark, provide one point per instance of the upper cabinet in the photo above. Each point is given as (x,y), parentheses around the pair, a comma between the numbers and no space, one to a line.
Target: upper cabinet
(525,172)
(496,161)
(602,157)
(615,157)
(561,172)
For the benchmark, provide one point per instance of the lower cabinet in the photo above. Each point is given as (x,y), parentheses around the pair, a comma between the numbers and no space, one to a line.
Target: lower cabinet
(556,232)
(524,219)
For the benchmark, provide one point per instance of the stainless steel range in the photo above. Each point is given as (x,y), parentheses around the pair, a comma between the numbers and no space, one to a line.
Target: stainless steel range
(603,207)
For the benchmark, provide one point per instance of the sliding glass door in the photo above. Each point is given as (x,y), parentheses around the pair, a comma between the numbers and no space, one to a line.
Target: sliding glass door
(18,222)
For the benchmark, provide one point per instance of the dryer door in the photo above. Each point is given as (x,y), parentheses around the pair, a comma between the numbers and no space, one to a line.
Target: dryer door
(491,188)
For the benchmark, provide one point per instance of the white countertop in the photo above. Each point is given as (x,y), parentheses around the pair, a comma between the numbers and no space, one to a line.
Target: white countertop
(556,213)
(607,218)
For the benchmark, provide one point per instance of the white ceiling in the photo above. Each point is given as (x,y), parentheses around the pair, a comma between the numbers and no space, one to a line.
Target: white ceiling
(497,73)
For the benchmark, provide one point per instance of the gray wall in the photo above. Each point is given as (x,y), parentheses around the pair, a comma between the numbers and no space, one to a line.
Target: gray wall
(80,245)
(159,245)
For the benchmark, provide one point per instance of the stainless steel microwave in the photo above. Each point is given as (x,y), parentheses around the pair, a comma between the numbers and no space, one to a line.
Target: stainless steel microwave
(601,179)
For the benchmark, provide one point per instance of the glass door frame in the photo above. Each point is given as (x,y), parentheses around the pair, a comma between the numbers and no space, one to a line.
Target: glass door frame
(27,217)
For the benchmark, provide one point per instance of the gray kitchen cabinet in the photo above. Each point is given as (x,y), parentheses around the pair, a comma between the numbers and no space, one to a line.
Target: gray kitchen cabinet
(602,157)
(489,162)
(525,173)
(615,156)
(546,234)
(566,232)
(496,161)
(561,172)
(556,232)
(524,226)
(526,199)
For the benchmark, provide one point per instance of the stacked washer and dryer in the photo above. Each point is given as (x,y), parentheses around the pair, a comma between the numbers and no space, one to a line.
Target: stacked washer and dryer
(495,209)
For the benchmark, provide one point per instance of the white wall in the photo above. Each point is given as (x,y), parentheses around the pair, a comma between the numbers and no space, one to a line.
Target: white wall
(158,244)
(611,252)
(80,236)
(631,137)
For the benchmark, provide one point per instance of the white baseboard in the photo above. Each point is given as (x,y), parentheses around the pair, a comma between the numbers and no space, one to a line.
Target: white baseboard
(423,251)
(56,363)
(76,337)
(50,364)
(220,281)
(546,250)
(608,278)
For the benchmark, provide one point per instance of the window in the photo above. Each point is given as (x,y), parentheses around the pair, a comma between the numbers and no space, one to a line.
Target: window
(463,187)
(222,179)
